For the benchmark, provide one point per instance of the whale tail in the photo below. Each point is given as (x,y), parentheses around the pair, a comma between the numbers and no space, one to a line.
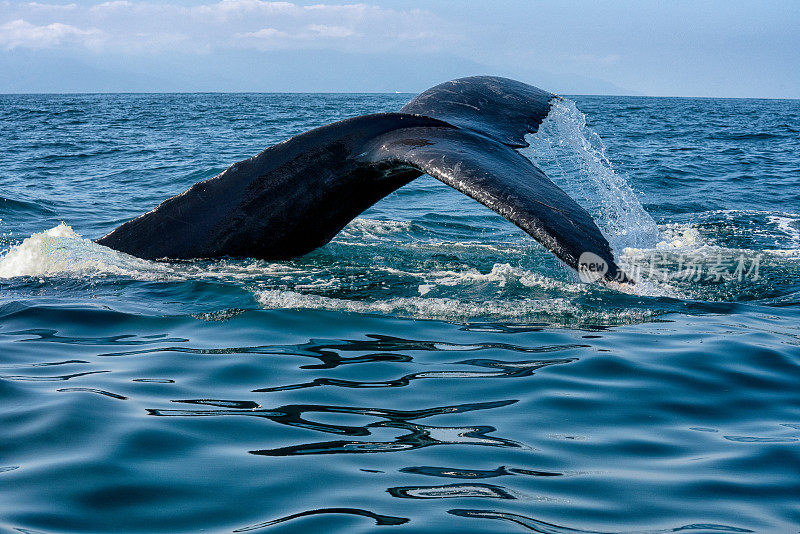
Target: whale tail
(297,195)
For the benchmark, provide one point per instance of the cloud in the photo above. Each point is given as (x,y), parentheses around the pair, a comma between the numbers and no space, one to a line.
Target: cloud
(265,33)
(274,39)
(143,27)
(336,32)
(22,34)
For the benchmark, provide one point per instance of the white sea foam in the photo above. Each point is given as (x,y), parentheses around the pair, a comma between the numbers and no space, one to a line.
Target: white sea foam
(374,227)
(677,265)
(502,274)
(560,309)
(60,250)
(679,236)
(790,226)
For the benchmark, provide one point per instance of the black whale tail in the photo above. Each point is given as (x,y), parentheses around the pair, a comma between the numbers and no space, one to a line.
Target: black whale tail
(297,195)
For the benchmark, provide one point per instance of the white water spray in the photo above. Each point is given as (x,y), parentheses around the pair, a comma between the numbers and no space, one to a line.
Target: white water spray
(575,158)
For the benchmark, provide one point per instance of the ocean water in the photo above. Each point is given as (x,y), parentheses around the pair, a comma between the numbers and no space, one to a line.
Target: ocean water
(432,369)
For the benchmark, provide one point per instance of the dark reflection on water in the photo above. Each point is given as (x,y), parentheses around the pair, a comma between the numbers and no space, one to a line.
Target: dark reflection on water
(380,520)
(42,364)
(449,472)
(419,436)
(50,378)
(549,528)
(451,491)
(51,336)
(380,348)
(506,370)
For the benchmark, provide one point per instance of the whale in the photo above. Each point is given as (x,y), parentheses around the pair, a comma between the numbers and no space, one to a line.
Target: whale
(295,196)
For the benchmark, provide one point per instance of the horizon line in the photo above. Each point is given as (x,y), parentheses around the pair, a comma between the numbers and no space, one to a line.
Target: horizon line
(53,93)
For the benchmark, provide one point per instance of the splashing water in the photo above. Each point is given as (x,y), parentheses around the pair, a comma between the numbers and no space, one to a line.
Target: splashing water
(415,264)
(574,156)
(676,260)
(60,250)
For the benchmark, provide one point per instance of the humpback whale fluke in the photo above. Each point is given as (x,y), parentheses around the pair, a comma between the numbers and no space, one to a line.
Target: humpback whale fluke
(297,195)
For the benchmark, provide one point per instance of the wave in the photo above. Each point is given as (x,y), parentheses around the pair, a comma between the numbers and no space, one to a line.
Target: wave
(11,206)
(746,136)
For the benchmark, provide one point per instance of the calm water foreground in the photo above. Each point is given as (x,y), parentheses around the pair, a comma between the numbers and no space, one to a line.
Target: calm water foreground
(431,370)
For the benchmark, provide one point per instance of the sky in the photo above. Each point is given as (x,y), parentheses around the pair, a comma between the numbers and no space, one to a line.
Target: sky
(716,48)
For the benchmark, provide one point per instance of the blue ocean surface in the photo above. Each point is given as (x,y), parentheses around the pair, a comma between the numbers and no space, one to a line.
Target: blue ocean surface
(432,369)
